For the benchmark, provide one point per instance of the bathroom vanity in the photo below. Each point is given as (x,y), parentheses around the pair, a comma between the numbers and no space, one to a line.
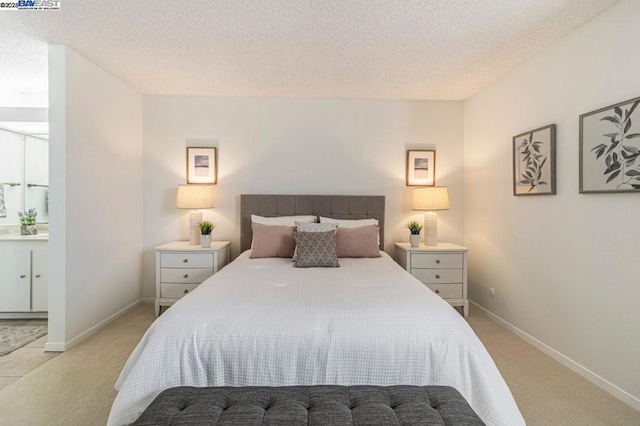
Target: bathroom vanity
(24,286)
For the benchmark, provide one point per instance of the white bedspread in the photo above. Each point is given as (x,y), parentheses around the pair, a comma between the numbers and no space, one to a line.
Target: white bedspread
(262,322)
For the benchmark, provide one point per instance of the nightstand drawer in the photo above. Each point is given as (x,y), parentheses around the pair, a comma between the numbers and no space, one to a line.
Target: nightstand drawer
(442,268)
(181,267)
(447,291)
(186,260)
(435,276)
(176,291)
(184,275)
(436,260)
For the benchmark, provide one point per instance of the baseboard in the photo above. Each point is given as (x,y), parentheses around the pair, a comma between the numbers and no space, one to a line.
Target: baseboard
(602,383)
(147,300)
(79,338)
(53,347)
(24,315)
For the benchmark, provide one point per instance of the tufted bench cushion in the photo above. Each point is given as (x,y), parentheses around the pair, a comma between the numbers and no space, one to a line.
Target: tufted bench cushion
(310,405)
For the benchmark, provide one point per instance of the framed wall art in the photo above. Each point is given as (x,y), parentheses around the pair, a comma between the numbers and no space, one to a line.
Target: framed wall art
(421,168)
(609,149)
(202,165)
(534,162)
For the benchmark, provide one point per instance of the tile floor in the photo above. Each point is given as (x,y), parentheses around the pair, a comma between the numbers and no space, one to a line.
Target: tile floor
(21,361)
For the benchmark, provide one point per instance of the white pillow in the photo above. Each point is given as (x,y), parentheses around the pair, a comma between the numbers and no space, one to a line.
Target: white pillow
(346,223)
(350,223)
(282,220)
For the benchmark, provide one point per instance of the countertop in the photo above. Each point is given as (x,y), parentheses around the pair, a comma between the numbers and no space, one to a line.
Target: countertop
(40,236)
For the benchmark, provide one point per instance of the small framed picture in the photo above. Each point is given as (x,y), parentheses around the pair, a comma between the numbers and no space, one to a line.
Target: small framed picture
(421,168)
(610,149)
(534,162)
(202,165)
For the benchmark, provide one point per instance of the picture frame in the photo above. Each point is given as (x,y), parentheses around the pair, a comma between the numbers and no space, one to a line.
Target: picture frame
(609,149)
(202,165)
(534,162)
(421,168)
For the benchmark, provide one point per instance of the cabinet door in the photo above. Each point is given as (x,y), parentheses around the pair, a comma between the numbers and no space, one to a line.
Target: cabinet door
(15,279)
(40,280)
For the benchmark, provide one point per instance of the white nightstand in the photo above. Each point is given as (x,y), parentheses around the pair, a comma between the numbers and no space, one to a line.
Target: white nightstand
(442,268)
(181,267)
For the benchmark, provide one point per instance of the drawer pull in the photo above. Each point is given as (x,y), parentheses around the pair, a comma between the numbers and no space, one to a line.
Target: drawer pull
(38,276)
(437,291)
(185,260)
(186,291)
(438,276)
(23,276)
(185,276)
(437,260)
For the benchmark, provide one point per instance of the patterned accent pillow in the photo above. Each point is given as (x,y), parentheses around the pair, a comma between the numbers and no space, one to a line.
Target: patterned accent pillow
(316,249)
(313,227)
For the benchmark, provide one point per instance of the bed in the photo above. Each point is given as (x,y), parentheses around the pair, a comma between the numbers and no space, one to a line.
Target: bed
(263,322)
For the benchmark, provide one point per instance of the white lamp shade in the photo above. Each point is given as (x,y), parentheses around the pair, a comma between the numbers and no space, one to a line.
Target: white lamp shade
(194,197)
(431,198)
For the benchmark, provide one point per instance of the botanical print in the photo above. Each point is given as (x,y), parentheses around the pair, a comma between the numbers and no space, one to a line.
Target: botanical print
(609,149)
(421,168)
(620,162)
(534,162)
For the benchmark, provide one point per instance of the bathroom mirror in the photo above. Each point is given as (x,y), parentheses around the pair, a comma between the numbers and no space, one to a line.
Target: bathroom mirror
(24,171)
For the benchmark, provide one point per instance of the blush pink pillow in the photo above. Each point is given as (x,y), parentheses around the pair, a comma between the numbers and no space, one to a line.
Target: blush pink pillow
(358,242)
(272,241)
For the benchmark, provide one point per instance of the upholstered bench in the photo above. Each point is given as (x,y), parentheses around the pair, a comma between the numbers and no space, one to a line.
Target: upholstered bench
(310,405)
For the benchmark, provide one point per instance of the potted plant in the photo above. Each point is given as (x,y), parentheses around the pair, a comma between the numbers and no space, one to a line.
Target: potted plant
(28,222)
(415,227)
(205,231)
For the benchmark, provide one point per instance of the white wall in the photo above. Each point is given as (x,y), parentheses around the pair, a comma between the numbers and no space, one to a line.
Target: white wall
(295,146)
(565,267)
(13,98)
(96,196)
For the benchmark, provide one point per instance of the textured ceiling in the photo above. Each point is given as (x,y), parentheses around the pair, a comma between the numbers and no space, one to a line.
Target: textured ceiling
(391,49)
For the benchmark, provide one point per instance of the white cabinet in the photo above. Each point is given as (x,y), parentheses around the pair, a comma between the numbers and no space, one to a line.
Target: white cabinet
(24,284)
(181,267)
(15,279)
(40,280)
(442,268)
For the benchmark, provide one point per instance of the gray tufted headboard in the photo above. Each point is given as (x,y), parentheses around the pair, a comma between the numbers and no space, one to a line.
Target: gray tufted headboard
(335,206)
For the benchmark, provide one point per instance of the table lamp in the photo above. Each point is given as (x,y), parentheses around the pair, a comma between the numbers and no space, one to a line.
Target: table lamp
(194,197)
(431,199)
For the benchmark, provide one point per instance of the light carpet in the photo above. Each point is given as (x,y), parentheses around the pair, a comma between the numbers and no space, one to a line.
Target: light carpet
(547,392)
(14,337)
(76,388)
